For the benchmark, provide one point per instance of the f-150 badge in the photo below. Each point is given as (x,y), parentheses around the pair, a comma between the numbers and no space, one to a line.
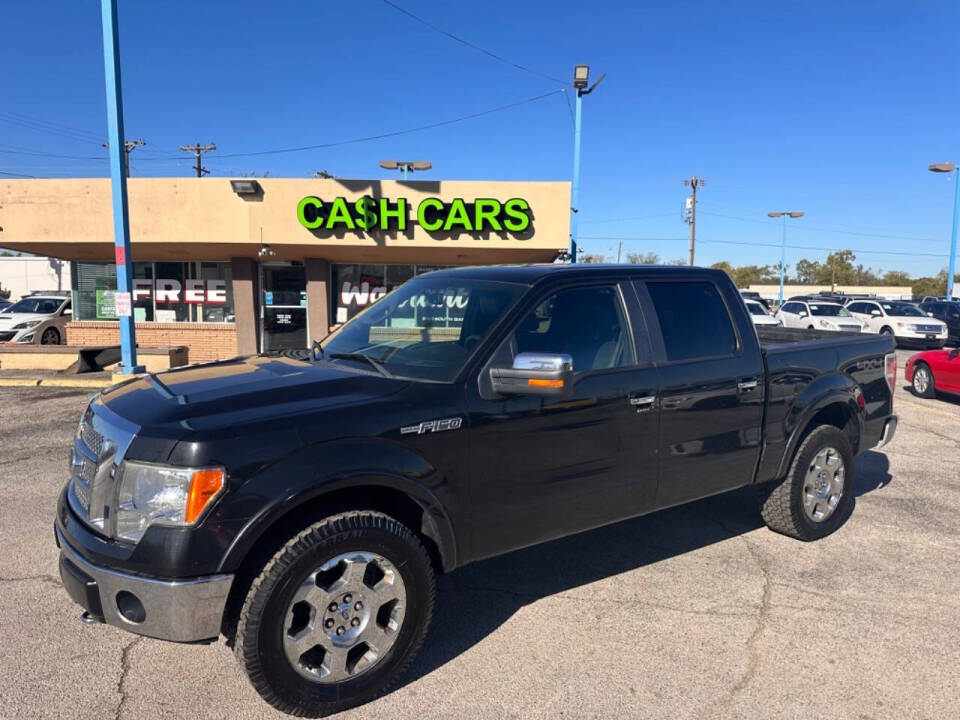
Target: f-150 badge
(432,426)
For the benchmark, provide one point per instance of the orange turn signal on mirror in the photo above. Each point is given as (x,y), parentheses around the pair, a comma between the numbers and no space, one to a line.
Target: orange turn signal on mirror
(205,485)
(543,382)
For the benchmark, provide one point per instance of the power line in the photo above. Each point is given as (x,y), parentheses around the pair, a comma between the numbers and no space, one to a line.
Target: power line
(825,230)
(469,44)
(763,244)
(198,150)
(633,217)
(20,175)
(387,134)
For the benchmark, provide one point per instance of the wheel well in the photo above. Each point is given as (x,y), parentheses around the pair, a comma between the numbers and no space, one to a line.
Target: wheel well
(887,328)
(389,501)
(841,417)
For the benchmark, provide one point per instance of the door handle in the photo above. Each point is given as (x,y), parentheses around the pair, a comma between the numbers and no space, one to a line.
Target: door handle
(745,385)
(643,403)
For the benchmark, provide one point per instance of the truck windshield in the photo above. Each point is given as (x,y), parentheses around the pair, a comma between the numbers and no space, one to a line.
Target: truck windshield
(829,310)
(902,310)
(426,328)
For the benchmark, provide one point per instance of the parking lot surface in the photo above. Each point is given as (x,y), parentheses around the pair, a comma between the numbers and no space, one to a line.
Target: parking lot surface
(694,612)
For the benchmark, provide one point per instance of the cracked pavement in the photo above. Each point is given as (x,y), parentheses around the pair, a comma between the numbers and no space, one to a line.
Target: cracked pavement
(694,612)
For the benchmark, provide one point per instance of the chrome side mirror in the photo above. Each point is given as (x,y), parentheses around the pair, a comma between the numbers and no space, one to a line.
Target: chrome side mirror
(545,374)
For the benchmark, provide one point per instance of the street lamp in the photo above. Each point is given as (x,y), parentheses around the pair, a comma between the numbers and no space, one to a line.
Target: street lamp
(581,79)
(406,166)
(783,243)
(946,168)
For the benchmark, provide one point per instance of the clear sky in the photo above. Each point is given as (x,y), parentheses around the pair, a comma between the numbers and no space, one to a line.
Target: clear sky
(832,108)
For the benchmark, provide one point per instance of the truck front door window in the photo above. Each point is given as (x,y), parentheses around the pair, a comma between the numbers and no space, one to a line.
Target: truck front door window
(586,323)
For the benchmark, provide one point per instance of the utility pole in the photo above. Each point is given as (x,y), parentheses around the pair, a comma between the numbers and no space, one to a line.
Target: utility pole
(693,183)
(128,147)
(118,189)
(619,250)
(198,150)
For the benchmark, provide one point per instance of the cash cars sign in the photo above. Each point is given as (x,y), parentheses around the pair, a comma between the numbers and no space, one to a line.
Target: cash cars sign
(432,214)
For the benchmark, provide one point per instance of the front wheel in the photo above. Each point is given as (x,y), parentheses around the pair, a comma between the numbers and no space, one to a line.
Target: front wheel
(337,615)
(923,385)
(815,497)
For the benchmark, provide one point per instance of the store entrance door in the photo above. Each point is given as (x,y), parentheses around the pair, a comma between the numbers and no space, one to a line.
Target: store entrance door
(283,306)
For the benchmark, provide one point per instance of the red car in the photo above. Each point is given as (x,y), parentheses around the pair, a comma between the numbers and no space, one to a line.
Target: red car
(934,371)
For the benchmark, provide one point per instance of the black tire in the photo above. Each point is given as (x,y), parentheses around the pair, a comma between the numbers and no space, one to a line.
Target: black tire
(259,645)
(929,389)
(50,336)
(781,501)
(886,331)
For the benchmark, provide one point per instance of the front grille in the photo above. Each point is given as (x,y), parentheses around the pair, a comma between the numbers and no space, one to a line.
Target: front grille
(850,328)
(928,328)
(98,448)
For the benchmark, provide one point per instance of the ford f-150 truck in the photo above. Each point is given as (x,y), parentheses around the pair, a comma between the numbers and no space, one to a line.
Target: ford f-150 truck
(302,507)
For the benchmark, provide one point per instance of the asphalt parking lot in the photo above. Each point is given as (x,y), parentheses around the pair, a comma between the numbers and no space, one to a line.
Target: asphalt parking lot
(694,612)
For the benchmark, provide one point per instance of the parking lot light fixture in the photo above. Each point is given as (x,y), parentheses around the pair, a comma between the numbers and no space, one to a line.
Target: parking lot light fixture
(948,167)
(406,166)
(783,242)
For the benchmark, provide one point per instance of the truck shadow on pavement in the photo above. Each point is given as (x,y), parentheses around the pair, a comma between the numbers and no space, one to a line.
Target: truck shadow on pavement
(474,601)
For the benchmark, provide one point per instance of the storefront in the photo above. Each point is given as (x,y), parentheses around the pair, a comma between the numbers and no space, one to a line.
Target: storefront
(236,267)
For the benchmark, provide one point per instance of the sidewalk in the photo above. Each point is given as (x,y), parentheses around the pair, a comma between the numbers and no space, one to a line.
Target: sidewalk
(51,378)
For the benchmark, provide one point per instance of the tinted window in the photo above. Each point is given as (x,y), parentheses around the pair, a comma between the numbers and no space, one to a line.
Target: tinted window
(859,307)
(755,308)
(902,309)
(828,310)
(43,306)
(792,307)
(693,320)
(586,323)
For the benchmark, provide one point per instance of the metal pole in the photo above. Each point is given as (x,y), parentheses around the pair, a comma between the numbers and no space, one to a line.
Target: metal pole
(575,191)
(951,269)
(405,169)
(693,218)
(619,250)
(118,181)
(783,257)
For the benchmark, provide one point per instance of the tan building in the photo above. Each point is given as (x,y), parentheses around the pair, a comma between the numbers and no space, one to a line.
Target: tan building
(243,266)
(888,292)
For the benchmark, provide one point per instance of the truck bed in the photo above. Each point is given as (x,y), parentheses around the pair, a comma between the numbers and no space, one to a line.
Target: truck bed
(774,339)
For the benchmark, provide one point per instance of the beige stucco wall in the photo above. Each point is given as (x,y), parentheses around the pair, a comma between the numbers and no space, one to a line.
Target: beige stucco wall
(891,292)
(202,218)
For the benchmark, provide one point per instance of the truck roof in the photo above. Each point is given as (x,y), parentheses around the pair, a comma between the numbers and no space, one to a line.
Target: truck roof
(531,274)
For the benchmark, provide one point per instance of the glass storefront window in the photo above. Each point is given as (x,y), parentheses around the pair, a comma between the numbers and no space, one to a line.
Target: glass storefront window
(357,286)
(162,292)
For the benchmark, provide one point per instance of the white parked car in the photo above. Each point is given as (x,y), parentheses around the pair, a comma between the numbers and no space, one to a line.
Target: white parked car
(38,319)
(818,316)
(759,313)
(905,321)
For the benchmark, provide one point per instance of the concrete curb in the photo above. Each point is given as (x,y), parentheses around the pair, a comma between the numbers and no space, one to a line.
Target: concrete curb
(54,382)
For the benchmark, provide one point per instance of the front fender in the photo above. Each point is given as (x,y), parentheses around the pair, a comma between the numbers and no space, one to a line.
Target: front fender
(317,470)
(826,390)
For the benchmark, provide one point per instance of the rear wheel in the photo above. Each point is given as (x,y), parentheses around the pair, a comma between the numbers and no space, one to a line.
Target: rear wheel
(923,384)
(337,615)
(815,496)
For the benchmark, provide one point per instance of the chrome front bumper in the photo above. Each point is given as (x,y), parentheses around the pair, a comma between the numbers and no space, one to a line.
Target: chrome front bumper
(179,610)
(889,430)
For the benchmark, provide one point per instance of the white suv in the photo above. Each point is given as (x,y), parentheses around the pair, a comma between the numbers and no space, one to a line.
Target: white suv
(904,320)
(818,316)
(38,319)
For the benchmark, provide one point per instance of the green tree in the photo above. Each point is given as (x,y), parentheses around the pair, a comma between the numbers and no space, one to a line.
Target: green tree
(808,271)
(896,277)
(593,258)
(839,268)
(649,258)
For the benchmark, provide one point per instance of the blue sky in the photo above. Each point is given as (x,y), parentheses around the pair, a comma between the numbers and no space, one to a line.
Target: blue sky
(832,108)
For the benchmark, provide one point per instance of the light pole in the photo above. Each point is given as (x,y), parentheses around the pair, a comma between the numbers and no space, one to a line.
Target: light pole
(581,78)
(406,166)
(783,244)
(946,168)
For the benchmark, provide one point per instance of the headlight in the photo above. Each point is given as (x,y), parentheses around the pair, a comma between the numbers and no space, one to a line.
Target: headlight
(826,324)
(26,324)
(163,495)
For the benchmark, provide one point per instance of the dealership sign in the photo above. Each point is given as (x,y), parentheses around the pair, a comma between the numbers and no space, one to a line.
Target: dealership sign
(432,214)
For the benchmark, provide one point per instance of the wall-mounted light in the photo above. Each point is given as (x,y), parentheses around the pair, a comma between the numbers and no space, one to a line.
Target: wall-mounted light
(246,187)
(266,251)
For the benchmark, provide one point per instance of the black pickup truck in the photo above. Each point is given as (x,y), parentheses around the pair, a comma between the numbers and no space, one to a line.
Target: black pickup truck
(302,508)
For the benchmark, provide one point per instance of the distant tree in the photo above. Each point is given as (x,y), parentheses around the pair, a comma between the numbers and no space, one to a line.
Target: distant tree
(593,258)
(808,271)
(896,277)
(649,258)
(4,293)
(839,268)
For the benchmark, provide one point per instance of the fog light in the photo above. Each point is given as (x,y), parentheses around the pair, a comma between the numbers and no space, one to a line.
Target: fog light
(130,607)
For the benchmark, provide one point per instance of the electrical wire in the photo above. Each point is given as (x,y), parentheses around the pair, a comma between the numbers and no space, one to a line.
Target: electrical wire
(821,229)
(634,217)
(19,175)
(471,45)
(380,136)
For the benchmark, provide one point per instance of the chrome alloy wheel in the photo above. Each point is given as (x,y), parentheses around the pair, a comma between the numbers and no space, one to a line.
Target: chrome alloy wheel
(344,617)
(823,486)
(921,380)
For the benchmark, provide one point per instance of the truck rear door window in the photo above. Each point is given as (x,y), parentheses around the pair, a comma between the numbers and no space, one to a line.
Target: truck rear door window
(693,320)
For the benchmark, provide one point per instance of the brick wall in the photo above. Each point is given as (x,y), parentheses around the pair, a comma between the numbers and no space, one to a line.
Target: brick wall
(206,341)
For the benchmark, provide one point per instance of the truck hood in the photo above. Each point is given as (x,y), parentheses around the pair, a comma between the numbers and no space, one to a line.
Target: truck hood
(241,391)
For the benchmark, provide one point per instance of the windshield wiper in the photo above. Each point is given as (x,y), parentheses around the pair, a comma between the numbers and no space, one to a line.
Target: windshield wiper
(361,356)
